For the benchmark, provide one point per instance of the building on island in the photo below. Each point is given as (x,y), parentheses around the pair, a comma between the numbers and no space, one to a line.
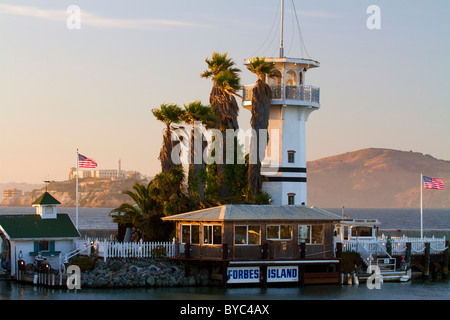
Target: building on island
(11,197)
(47,232)
(101,173)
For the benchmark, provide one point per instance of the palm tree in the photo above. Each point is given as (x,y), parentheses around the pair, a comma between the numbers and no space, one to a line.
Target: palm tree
(143,211)
(168,192)
(162,196)
(261,101)
(196,112)
(168,114)
(226,83)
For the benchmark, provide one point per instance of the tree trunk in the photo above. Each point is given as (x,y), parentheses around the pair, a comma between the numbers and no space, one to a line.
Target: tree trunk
(226,110)
(261,102)
(166,152)
(196,180)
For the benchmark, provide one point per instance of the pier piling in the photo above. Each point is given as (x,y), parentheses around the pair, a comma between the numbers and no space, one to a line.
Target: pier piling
(445,261)
(426,263)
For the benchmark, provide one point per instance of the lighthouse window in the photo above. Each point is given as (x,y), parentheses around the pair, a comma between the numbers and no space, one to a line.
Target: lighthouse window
(291,78)
(212,234)
(291,199)
(291,156)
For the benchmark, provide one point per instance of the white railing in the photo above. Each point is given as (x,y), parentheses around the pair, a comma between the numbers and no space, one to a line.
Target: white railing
(437,245)
(398,244)
(281,92)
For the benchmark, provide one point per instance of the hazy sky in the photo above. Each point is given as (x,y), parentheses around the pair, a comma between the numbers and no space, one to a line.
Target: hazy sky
(93,88)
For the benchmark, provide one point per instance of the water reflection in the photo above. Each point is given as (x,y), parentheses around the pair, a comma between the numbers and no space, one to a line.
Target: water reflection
(423,290)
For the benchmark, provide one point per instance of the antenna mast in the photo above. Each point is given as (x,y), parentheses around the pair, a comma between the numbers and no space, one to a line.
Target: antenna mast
(281,32)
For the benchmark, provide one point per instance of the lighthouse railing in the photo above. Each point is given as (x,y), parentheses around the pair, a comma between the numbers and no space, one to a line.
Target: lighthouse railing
(293,92)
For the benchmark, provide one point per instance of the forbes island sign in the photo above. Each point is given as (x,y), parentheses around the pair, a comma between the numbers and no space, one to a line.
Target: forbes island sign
(243,274)
(252,274)
(282,274)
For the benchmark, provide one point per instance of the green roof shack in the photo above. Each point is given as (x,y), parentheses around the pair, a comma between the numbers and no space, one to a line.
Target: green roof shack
(47,231)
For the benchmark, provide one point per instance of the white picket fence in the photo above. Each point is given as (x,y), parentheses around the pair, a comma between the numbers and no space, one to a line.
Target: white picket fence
(112,249)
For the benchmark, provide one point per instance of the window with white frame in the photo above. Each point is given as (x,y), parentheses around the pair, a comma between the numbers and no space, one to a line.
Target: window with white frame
(247,235)
(279,232)
(310,234)
(190,233)
(291,199)
(212,234)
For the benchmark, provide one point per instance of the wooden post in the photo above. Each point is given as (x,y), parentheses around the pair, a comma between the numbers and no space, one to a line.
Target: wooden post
(224,274)
(445,261)
(187,250)
(225,251)
(265,251)
(187,255)
(338,250)
(301,275)
(263,276)
(426,264)
(302,250)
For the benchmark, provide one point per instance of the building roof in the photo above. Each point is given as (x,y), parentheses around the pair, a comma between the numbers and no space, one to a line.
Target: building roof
(32,226)
(256,212)
(45,199)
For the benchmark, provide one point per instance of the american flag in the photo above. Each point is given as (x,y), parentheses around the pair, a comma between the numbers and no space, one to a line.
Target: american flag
(433,183)
(85,162)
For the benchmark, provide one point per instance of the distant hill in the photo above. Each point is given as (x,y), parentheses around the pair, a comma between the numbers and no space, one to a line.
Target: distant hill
(376,178)
(93,192)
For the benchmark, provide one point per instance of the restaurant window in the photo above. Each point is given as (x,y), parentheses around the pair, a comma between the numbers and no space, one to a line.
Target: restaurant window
(247,235)
(212,234)
(279,232)
(361,231)
(310,234)
(190,233)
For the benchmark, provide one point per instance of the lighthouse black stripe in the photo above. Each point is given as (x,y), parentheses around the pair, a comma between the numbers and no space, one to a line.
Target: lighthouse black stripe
(285,169)
(286,179)
(291,169)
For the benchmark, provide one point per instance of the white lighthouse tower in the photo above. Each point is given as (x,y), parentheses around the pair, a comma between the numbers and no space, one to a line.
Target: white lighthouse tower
(292,103)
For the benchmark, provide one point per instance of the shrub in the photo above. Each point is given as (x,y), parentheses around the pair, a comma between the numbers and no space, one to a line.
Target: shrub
(350,260)
(85,263)
(159,252)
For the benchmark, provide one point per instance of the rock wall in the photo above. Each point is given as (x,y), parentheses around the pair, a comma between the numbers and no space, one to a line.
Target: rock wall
(142,272)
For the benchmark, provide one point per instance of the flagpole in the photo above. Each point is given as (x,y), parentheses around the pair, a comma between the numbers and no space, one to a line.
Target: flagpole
(421,205)
(76,210)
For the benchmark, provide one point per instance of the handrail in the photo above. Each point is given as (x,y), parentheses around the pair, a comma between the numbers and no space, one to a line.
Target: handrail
(67,256)
(305,93)
(398,244)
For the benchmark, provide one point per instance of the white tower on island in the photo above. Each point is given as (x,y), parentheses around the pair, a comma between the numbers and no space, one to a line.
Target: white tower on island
(292,103)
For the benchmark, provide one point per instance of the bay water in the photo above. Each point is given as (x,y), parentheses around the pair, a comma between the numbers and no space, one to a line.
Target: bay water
(436,221)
